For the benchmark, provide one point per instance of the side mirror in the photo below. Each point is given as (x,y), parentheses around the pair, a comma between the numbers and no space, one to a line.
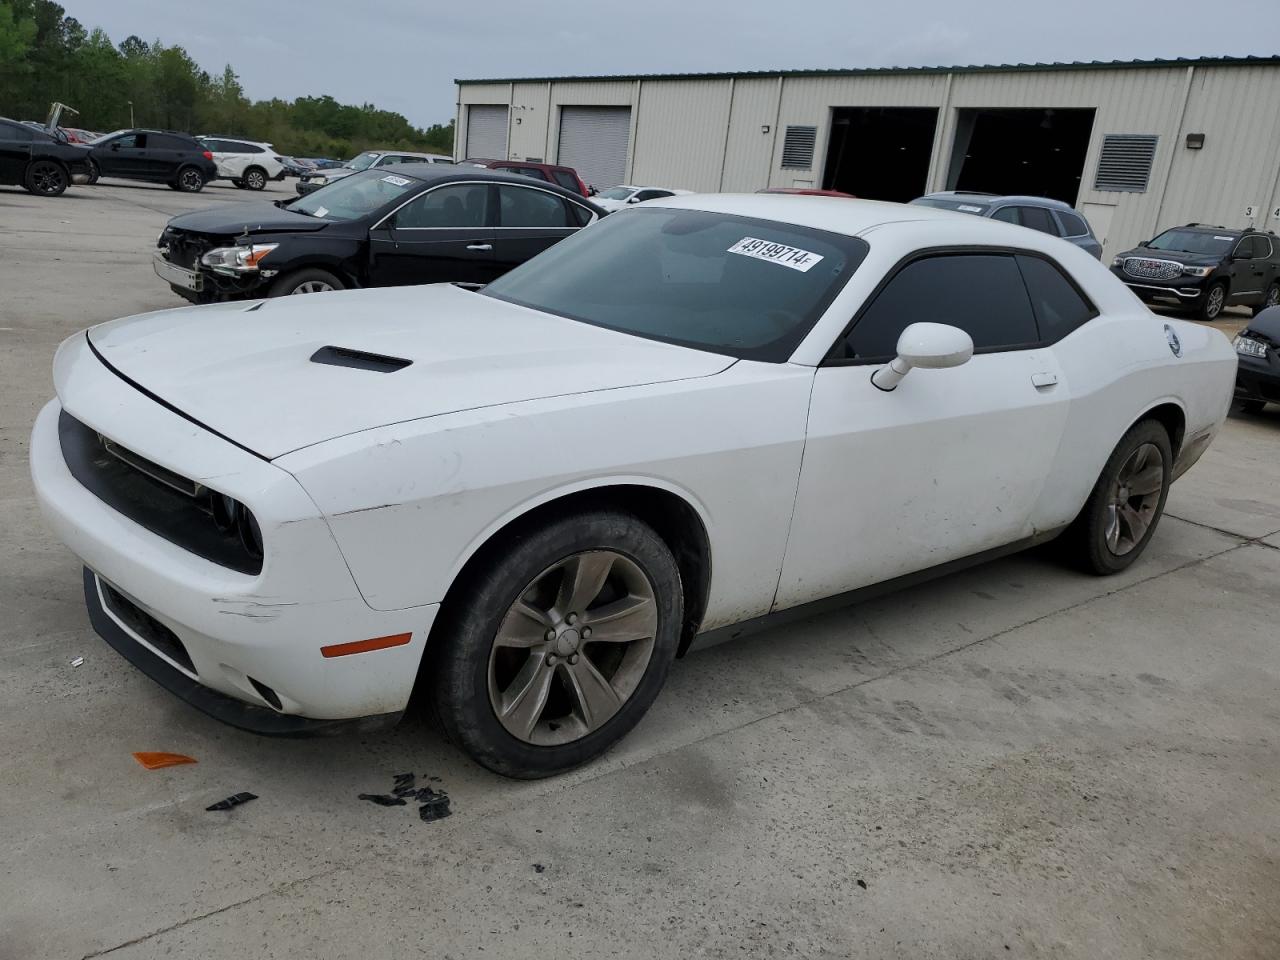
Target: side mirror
(633,199)
(929,346)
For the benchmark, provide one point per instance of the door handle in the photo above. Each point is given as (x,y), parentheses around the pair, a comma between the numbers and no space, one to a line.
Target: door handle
(480,246)
(1039,380)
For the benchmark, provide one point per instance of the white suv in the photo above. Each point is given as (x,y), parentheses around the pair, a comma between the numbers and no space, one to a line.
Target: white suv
(247,164)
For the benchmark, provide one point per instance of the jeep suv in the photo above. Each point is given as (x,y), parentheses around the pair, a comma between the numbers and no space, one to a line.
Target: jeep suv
(1204,268)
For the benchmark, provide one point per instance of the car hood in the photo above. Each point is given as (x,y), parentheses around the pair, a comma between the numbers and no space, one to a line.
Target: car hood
(1190,259)
(334,173)
(259,216)
(247,371)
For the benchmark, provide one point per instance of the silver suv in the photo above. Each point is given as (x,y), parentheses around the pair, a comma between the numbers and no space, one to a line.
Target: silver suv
(1053,217)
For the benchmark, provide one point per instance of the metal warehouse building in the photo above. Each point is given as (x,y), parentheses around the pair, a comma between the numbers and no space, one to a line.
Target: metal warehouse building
(1134,145)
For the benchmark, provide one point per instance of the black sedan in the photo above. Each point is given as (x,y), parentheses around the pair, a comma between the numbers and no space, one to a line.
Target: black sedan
(155,156)
(1258,351)
(419,224)
(44,164)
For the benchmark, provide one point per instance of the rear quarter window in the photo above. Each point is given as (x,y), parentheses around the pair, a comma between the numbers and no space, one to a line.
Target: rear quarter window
(1059,306)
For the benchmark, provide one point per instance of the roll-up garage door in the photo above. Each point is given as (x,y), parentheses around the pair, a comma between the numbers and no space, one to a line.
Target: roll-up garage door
(487,131)
(593,140)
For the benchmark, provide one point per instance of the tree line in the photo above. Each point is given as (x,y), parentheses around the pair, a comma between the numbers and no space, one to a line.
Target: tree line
(46,55)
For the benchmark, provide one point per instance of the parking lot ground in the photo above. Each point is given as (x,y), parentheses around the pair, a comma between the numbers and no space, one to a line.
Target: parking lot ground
(1015,761)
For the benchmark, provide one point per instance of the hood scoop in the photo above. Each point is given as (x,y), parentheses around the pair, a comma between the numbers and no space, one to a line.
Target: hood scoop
(359,360)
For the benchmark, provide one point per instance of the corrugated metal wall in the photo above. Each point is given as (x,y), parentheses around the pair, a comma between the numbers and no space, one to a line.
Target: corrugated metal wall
(708,134)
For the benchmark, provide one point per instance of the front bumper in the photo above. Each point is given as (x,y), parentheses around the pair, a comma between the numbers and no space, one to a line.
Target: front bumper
(202,285)
(1258,378)
(254,639)
(306,186)
(1185,290)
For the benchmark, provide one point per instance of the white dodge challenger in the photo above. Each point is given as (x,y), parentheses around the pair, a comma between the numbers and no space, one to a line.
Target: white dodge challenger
(528,499)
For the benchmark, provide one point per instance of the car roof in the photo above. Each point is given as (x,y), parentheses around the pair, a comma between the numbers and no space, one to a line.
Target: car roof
(997,199)
(440,171)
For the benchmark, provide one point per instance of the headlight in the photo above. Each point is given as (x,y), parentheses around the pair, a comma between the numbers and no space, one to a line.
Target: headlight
(237,259)
(1197,271)
(1250,347)
(319,181)
(1117,261)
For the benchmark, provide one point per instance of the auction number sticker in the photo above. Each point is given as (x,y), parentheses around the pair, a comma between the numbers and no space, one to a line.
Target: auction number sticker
(395,181)
(779,253)
(969,208)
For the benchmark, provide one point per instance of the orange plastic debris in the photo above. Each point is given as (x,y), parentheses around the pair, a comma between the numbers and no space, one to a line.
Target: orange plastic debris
(156,761)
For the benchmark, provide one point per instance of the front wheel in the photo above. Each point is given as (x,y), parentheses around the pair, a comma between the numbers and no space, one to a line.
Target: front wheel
(1270,299)
(1215,299)
(47,178)
(190,180)
(559,645)
(1126,504)
(310,280)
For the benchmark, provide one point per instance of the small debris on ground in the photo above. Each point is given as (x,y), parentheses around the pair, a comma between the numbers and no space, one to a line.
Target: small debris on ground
(434,804)
(77,661)
(157,761)
(538,868)
(862,884)
(232,801)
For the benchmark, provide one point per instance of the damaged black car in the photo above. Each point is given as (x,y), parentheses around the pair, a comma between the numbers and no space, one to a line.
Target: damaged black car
(1258,353)
(418,224)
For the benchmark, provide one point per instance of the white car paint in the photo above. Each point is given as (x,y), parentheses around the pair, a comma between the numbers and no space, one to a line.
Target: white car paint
(629,195)
(373,490)
(235,156)
(380,159)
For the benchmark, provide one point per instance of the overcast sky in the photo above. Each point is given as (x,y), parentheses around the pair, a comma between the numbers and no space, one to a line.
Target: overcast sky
(403,55)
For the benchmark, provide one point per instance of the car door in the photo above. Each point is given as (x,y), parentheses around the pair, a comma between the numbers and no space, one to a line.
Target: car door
(1249,269)
(529,221)
(226,157)
(949,464)
(15,151)
(444,235)
(122,156)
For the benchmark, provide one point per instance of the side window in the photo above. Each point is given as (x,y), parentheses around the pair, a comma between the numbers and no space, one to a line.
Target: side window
(644,195)
(249,148)
(1038,218)
(158,141)
(1007,214)
(523,207)
(579,215)
(16,131)
(130,140)
(457,205)
(1258,247)
(1058,306)
(1072,225)
(982,294)
(565,179)
(1266,247)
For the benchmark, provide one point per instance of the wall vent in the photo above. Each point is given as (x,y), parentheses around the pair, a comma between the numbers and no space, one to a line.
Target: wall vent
(797,148)
(1125,162)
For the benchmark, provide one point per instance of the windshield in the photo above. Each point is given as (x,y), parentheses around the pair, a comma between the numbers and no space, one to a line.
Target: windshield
(363,162)
(1193,241)
(617,193)
(734,285)
(963,206)
(355,196)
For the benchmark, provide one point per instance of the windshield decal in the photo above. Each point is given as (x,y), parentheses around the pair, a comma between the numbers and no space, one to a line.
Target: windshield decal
(1228,239)
(321,211)
(969,208)
(779,253)
(395,181)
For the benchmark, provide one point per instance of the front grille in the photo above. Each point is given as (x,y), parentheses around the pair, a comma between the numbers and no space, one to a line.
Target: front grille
(185,249)
(146,626)
(1146,269)
(166,503)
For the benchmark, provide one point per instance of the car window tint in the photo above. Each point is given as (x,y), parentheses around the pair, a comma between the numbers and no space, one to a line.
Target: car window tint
(982,294)
(565,179)
(161,141)
(1257,247)
(1038,218)
(457,205)
(579,215)
(1072,225)
(131,140)
(1007,214)
(1058,306)
(522,207)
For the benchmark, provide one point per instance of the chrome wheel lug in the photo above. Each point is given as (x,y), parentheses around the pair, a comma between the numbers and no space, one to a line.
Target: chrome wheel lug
(571,619)
(549,636)
(586,632)
(552,660)
(573,660)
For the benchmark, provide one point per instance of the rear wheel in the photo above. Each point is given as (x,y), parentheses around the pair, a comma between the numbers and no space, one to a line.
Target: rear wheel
(1215,299)
(255,178)
(559,645)
(93,173)
(1270,299)
(190,180)
(47,178)
(308,280)
(1126,504)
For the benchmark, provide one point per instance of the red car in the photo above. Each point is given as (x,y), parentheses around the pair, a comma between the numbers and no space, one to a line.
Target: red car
(566,177)
(808,191)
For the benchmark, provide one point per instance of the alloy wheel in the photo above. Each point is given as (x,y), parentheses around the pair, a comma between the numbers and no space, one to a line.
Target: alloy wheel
(191,180)
(1135,499)
(1217,296)
(255,180)
(572,648)
(48,178)
(311,286)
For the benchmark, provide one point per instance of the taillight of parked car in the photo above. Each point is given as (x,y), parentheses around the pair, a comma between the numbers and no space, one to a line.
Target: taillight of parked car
(208,155)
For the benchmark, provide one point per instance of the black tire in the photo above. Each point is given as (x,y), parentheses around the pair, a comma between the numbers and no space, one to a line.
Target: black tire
(1252,406)
(459,663)
(1269,299)
(189,180)
(46,178)
(1214,301)
(93,173)
(290,284)
(255,178)
(238,184)
(1085,543)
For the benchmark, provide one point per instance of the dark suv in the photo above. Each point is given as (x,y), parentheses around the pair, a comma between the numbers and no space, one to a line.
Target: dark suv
(159,156)
(1204,268)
